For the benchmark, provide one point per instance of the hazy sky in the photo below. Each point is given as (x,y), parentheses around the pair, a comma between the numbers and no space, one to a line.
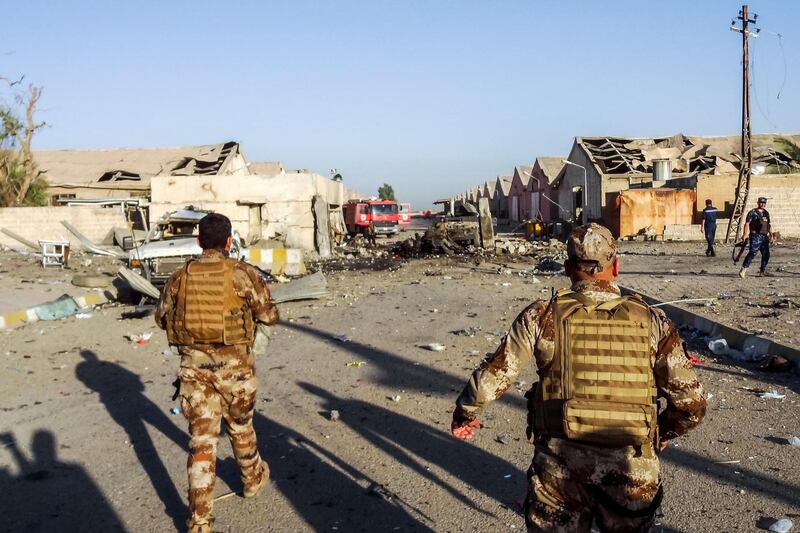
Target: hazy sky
(429,96)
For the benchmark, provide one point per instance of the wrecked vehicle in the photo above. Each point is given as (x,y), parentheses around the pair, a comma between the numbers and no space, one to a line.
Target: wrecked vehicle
(461,222)
(170,243)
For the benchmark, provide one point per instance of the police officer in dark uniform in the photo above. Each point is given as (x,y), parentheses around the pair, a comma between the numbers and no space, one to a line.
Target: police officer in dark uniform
(708,225)
(759,225)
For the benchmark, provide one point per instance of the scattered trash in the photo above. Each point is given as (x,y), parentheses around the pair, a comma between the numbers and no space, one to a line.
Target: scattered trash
(83,316)
(694,360)
(718,346)
(141,338)
(775,363)
(502,439)
(507,476)
(380,491)
(433,346)
(468,331)
(725,296)
(506,284)
(342,338)
(395,398)
(771,395)
(334,415)
(794,441)
(175,410)
(167,352)
(357,363)
(784,525)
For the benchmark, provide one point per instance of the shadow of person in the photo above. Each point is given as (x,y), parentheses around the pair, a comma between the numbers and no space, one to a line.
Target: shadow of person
(122,394)
(398,372)
(416,445)
(326,491)
(50,495)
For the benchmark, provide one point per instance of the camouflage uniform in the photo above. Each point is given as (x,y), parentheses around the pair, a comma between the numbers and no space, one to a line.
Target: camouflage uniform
(572,482)
(218,382)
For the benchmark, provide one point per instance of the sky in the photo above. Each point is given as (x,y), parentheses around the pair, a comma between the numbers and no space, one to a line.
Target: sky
(431,97)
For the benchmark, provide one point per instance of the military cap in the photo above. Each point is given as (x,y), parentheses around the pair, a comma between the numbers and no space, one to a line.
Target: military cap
(762,199)
(591,247)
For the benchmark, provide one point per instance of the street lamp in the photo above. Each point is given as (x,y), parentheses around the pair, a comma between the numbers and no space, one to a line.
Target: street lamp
(585,191)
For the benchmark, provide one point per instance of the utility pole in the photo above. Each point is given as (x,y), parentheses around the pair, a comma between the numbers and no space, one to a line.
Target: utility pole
(745,169)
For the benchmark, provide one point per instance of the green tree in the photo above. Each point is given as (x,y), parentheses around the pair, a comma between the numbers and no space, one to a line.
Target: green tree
(386,192)
(792,150)
(21,183)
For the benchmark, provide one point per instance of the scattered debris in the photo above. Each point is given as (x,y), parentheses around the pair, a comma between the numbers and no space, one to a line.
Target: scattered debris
(175,410)
(334,415)
(380,491)
(469,331)
(793,441)
(140,339)
(502,439)
(433,346)
(310,287)
(775,363)
(341,338)
(83,316)
(357,363)
(784,525)
(771,395)
(395,398)
(91,282)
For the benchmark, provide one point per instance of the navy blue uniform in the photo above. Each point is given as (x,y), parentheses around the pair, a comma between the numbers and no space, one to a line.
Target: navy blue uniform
(760,230)
(710,228)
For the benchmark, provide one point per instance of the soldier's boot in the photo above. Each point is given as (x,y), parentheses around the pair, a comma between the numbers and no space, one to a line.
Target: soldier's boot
(252,490)
(713,253)
(742,272)
(764,273)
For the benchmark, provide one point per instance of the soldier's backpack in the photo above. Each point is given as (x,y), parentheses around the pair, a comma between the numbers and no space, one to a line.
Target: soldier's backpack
(599,387)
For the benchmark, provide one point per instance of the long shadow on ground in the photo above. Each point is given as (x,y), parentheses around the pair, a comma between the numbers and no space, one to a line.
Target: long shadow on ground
(48,494)
(326,491)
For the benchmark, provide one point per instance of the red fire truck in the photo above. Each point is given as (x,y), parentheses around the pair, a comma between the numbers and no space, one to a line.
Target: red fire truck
(405,215)
(384,215)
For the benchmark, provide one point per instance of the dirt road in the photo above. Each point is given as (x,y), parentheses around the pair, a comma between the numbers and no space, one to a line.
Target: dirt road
(89,443)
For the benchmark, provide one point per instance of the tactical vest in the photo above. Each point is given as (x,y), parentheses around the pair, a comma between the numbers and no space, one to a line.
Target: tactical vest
(208,310)
(599,387)
(761,223)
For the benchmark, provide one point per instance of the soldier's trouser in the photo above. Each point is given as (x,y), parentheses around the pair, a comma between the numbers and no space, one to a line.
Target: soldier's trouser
(758,243)
(557,505)
(207,397)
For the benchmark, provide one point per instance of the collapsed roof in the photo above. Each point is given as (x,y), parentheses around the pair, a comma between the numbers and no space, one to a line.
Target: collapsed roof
(688,154)
(87,167)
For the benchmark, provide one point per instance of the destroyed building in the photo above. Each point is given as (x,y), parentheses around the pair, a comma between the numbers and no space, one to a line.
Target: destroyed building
(126,172)
(263,200)
(708,166)
(519,203)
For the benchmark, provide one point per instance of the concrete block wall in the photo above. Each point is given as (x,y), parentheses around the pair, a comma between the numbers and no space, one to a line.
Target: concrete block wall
(783,206)
(35,223)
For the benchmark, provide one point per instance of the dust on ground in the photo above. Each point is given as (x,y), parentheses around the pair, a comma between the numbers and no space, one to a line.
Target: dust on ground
(87,425)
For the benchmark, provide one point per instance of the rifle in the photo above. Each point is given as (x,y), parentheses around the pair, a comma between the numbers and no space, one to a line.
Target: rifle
(738,249)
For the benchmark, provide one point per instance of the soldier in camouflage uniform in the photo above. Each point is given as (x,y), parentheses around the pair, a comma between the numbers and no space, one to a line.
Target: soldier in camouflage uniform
(593,413)
(210,309)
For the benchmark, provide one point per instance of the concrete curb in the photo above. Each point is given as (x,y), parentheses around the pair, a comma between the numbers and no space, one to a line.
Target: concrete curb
(736,337)
(29,316)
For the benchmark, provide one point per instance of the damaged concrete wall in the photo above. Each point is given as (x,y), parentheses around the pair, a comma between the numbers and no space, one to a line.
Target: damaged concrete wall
(285,199)
(637,209)
(782,190)
(44,223)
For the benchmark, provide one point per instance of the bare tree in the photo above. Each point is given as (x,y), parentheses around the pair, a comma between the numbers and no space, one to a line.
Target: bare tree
(21,183)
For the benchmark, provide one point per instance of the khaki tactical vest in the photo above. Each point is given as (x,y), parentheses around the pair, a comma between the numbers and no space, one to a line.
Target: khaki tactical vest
(599,387)
(208,310)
